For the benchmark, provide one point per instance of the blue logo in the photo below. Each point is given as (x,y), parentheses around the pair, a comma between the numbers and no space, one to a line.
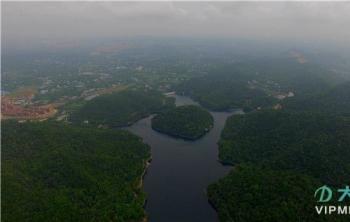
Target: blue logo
(345,193)
(325,194)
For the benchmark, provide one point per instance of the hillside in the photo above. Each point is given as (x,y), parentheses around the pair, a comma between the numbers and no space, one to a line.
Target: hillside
(187,122)
(315,144)
(256,83)
(121,109)
(289,155)
(228,90)
(254,194)
(334,101)
(53,172)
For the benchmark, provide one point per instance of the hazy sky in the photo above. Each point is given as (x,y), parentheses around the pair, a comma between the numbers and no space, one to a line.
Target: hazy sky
(43,22)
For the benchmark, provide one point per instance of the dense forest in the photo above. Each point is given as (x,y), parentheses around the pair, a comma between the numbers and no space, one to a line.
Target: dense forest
(279,145)
(335,101)
(254,194)
(122,108)
(55,172)
(187,122)
(316,144)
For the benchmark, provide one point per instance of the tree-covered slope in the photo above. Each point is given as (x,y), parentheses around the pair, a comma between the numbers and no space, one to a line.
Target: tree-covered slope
(225,89)
(254,194)
(335,101)
(255,83)
(290,75)
(187,122)
(315,144)
(53,172)
(122,108)
(291,154)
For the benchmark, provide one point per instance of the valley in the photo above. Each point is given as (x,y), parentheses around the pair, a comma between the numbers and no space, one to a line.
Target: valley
(145,134)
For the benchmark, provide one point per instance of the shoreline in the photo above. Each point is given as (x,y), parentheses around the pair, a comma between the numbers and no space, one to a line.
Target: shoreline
(185,138)
(147,163)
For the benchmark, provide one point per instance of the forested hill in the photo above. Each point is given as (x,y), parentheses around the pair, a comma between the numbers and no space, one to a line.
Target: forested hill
(224,89)
(289,155)
(335,101)
(256,83)
(53,172)
(187,122)
(315,144)
(264,195)
(122,108)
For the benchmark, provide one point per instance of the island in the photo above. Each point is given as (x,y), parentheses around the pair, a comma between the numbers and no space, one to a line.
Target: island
(58,172)
(188,122)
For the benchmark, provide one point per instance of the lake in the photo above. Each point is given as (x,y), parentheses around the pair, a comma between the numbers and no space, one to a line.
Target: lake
(180,171)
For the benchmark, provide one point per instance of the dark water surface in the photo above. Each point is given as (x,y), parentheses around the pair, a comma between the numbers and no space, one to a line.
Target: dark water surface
(180,171)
